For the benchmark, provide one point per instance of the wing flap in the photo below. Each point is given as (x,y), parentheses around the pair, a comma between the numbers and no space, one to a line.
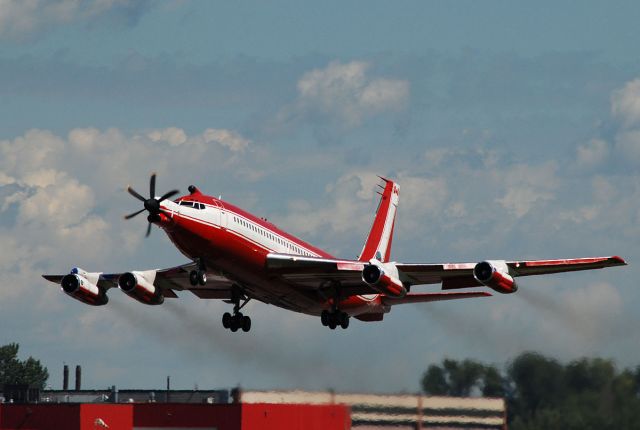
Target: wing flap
(433,297)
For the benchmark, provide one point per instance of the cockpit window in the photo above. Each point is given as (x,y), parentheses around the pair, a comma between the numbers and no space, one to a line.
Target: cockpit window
(194,205)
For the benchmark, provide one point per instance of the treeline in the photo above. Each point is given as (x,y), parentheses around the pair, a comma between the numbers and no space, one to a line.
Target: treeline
(542,393)
(14,371)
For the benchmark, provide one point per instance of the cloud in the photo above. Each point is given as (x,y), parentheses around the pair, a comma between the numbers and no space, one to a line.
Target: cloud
(347,93)
(55,191)
(526,186)
(627,144)
(227,138)
(25,18)
(625,103)
(592,153)
(173,136)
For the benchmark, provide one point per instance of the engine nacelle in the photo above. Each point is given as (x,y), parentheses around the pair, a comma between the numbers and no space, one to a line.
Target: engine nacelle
(136,285)
(495,275)
(375,275)
(81,288)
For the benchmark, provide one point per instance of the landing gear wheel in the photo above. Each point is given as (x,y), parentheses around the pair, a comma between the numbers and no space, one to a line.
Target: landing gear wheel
(344,320)
(226,320)
(234,326)
(324,317)
(193,278)
(201,276)
(246,324)
(332,322)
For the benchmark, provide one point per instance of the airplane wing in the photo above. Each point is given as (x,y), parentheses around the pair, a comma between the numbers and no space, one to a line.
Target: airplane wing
(166,280)
(311,272)
(460,275)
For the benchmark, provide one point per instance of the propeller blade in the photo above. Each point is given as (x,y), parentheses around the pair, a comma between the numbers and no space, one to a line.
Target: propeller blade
(135,194)
(152,186)
(148,230)
(134,214)
(169,194)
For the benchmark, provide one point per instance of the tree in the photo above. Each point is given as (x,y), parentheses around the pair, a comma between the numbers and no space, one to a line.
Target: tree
(539,381)
(434,381)
(16,372)
(453,378)
(493,383)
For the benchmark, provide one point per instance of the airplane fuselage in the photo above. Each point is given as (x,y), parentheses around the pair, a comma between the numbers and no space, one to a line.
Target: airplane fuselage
(236,243)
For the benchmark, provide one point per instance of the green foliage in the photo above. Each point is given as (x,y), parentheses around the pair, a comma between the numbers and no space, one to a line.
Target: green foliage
(541,393)
(462,378)
(14,371)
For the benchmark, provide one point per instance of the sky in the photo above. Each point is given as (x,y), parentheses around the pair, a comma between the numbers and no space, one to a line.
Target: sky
(513,130)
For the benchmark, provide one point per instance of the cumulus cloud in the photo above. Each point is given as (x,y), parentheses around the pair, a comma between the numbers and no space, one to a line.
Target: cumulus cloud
(628,144)
(592,153)
(24,18)
(526,186)
(49,187)
(173,136)
(625,108)
(625,103)
(345,91)
(227,138)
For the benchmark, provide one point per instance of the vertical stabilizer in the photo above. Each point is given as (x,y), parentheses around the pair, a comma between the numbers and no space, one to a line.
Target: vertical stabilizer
(378,243)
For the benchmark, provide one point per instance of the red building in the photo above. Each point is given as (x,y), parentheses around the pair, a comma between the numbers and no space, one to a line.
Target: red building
(257,416)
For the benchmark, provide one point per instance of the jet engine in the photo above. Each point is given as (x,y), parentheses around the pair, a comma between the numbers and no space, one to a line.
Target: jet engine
(377,276)
(495,275)
(81,285)
(138,286)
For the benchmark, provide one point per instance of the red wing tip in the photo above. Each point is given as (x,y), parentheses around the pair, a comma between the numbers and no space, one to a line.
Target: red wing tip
(618,260)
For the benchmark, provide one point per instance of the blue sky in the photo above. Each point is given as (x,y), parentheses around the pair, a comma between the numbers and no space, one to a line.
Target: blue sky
(513,130)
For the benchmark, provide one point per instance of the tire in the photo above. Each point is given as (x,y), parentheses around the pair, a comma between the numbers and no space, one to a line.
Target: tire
(246,324)
(226,320)
(324,317)
(236,323)
(344,320)
(202,277)
(193,278)
(332,323)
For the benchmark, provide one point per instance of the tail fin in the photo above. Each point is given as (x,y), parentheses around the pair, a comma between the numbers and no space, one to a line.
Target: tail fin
(378,243)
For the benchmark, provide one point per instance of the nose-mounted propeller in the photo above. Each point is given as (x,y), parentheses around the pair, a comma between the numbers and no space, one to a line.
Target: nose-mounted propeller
(152,204)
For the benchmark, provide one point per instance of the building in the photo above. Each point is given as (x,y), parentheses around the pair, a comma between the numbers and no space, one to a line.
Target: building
(139,416)
(375,411)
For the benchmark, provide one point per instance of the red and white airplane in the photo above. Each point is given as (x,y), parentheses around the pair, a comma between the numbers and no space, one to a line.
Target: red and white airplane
(236,257)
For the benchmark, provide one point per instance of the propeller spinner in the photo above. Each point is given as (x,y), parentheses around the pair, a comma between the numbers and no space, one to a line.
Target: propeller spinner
(152,204)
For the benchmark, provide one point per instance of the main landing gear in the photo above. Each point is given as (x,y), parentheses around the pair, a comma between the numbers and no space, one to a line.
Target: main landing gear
(198,277)
(334,318)
(237,320)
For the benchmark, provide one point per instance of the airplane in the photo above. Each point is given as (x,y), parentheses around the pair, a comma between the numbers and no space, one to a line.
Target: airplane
(237,257)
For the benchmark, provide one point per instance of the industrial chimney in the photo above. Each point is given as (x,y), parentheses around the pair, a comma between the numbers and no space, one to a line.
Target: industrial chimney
(78,377)
(65,378)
